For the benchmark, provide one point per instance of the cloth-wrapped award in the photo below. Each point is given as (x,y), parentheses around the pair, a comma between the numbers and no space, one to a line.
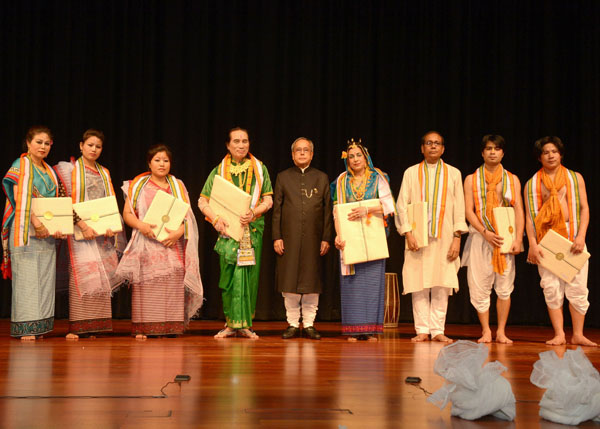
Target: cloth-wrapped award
(417,218)
(558,257)
(230,203)
(100,214)
(164,212)
(55,213)
(365,238)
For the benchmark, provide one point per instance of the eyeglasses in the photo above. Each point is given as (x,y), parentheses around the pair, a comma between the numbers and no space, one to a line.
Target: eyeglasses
(433,143)
(302,149)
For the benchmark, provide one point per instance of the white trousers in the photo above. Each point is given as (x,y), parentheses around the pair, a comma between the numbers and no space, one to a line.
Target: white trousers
(555,289)
(305,304)
(481,275)
(429,310)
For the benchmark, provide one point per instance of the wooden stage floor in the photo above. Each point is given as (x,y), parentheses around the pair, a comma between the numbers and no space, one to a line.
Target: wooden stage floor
(114,381)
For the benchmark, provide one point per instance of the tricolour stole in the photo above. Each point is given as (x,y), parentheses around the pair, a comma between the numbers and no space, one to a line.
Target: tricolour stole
(437,207)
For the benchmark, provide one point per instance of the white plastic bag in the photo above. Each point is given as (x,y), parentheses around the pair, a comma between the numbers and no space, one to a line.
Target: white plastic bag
(474,390)
(572,387)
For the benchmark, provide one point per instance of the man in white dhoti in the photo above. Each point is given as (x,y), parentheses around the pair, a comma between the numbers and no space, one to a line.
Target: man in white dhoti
(555,198)
(430,273)
(491,186)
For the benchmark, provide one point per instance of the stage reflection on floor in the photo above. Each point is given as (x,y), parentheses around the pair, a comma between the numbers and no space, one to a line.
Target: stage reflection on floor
(115,380)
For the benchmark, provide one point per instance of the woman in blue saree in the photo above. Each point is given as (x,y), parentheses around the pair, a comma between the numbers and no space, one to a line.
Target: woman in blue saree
(362,286)
(29,250)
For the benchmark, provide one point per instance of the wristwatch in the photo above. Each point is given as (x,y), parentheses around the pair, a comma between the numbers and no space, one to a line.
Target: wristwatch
(456,234)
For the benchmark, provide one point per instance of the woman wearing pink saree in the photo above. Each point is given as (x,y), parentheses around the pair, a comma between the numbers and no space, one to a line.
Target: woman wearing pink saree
(164,276)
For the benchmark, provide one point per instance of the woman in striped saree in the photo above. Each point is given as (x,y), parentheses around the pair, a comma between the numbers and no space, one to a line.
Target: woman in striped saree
(29,250)
(164,276)
(93,260)
(362,286)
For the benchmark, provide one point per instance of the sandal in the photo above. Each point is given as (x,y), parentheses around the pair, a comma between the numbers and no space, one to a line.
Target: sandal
(248,333)
(225,333)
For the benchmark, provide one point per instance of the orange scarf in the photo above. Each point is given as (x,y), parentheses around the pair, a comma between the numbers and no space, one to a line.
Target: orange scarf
(491,197)
(550,215)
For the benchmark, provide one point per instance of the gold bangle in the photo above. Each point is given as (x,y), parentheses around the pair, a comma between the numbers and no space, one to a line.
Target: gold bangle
(214,222)
(39,228)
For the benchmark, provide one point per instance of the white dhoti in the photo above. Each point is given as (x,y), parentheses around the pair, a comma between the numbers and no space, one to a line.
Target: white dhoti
(555,289)
(301,304)
(477,257)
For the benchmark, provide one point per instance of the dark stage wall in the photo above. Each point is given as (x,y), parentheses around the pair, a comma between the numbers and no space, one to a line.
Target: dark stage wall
(184,72)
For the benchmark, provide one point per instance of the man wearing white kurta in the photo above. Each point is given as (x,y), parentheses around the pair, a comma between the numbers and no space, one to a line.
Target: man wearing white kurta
(430,273)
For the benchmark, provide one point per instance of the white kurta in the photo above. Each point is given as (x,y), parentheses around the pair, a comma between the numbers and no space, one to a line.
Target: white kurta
(429,266)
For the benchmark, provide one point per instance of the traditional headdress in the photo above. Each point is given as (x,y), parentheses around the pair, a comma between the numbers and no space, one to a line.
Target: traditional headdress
(351,144)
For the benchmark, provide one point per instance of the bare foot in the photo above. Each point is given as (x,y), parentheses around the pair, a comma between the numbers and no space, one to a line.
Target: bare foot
(419,338)
(28,338)
(486,337)
(442,338)
(140,337)
(71,336)
(352,339)
(503,339)
(372,338)
(559,340)
(582,341)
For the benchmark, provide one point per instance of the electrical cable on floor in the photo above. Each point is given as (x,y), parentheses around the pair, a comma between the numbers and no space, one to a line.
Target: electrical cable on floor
(418,386)
(163,395)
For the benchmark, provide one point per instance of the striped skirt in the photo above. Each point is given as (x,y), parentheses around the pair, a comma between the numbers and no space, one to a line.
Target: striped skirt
(89,313)
(158,308)
(33,286)
(363,297)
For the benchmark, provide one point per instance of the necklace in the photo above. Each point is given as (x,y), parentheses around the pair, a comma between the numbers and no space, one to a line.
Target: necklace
(359,191)
(243,171)
(237,169)
(41,174)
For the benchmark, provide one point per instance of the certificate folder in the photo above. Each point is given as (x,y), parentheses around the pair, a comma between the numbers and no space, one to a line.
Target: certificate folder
(365,238)
(55,213)
(558,257)
(230,203)
(505,221)
(165,211)
(418,220)
(101,214)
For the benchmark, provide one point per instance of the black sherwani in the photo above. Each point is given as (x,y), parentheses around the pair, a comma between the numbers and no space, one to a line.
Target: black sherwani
(302,218)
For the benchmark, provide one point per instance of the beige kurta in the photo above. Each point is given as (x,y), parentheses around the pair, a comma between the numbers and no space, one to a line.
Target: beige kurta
(429,266)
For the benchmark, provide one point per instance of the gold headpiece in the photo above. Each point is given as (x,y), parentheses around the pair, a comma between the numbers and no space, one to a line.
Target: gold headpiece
(351,144)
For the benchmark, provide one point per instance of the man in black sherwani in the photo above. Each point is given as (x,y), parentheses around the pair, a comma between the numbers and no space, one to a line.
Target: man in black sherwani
(302,230)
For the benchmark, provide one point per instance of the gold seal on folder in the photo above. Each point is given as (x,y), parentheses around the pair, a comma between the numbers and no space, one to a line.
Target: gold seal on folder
(560,256)
(95,218)
(48,215)
(165,218)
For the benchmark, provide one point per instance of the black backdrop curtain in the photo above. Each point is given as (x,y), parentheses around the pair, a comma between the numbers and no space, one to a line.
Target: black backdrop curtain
(184,72)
